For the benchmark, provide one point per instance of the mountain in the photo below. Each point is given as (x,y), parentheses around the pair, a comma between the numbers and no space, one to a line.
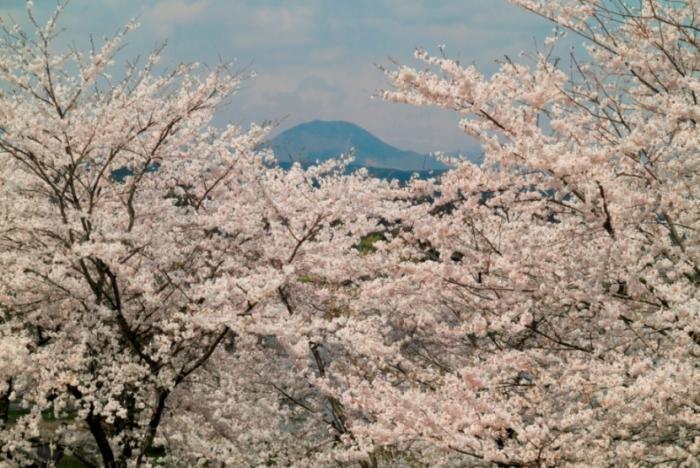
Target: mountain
(383,173)
(321,140)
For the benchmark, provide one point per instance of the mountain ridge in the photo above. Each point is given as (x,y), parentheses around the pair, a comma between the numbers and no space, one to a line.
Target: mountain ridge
(319,140)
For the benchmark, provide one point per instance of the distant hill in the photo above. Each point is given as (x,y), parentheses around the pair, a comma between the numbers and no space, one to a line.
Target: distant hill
(321,140)
(383,173)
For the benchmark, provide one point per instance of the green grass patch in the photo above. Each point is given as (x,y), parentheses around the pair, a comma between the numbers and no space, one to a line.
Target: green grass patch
(304,279)
(366,244)
(70,461)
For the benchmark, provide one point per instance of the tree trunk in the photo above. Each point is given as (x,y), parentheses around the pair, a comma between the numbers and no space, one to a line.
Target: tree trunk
(5,404)
(95,425)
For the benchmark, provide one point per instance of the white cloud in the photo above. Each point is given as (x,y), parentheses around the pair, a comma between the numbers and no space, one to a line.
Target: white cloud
(177,11)
(281,19)
(254,25)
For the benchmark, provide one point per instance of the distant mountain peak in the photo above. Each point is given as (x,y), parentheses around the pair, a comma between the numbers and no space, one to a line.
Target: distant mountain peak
(319,140)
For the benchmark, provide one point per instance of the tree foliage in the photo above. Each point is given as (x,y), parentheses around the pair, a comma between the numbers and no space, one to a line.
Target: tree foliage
(538,310)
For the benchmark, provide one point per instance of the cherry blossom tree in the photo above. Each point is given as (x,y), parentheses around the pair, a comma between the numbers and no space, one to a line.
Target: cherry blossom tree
(149,263)
(543,308)
(163,285)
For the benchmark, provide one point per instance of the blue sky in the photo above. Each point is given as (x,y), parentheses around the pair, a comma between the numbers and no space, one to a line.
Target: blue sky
(315,59)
